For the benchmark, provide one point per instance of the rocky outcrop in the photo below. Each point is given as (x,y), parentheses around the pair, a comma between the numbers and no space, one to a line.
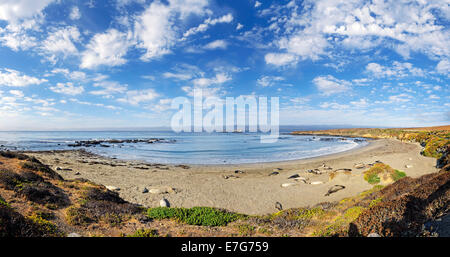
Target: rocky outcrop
(108,142)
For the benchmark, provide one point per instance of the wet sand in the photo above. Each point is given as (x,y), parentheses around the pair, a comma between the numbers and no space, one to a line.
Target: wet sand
(249,191)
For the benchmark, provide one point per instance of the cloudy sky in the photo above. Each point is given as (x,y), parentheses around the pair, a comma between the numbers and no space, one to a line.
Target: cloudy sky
(118,63)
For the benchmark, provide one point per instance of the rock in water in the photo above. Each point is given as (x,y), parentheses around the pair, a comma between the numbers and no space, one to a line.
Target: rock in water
(278,206)
(164,203)
(294,176)
(112,188)
(334,189)
(274,173)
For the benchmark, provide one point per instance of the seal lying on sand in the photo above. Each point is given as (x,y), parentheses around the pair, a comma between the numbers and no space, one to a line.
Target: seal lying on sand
(164,203)
(278,206)
(334,189)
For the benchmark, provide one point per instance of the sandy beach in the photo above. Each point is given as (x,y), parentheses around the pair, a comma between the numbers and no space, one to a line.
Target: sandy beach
(246,188)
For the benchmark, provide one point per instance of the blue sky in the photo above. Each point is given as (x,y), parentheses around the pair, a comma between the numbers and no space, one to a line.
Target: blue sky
(118,63)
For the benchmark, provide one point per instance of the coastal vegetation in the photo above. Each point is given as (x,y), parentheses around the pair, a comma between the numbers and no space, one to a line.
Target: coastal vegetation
(382,173)
(202,216)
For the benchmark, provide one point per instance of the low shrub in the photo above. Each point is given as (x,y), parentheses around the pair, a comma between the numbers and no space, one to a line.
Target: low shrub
(35,165)
(381,172)
(372,178)
(97,204)
(204,216)
(144,233)
(11,155)
(398,174)
(3,202)
(77,216)
(375,201)
(46,227)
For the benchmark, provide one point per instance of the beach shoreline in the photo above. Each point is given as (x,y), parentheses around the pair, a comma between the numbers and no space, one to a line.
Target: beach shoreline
(244,188)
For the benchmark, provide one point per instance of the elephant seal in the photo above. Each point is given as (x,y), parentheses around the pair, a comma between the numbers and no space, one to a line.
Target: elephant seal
(278,206)
(164,203)
(294,176)
(334,189)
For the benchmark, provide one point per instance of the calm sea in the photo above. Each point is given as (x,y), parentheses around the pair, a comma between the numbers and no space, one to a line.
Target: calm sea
(188,148)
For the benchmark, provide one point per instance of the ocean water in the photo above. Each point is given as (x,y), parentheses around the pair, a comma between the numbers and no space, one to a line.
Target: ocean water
(188,148)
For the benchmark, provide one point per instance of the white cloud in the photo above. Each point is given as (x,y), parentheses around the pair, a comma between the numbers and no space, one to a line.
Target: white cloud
(239,26)
(397,70)
(155,29)
(361,82)
(179,76)
(16,93)
(16,35)
(268,81)
(318,28)
(111,107)
(209,86)
(107,49)
(109,88)
(220,78)
(68,89)
(334,106)
(299,100)
(257,4)
(305,45)
(401,98)
(443,67)
(74,75)
(329,85)
(280,59)
(75,13)
(206,24)
(162,105)
(135,97)
(14,10)
(216,44)
(61,41)
(361,103)
(122,3)
(434,97)
(13,78)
